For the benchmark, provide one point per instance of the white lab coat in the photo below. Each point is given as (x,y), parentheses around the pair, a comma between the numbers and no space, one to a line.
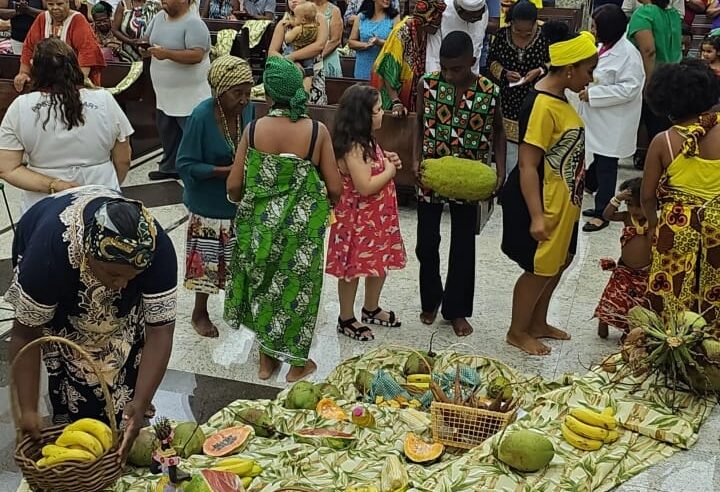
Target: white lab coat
(451,21)
(612,114)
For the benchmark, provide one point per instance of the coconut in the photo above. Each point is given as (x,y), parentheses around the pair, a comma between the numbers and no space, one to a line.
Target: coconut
(500,386)
(328,390)
(188,439)
(526,451)
(304,395)
(259,420)
(143,447)
(363,381)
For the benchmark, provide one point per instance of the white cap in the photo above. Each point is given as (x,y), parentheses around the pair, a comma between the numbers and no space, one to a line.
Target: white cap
(470,5)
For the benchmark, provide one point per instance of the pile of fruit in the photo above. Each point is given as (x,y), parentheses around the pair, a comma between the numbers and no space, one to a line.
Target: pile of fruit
(588,430)
(188,439)
(85,440)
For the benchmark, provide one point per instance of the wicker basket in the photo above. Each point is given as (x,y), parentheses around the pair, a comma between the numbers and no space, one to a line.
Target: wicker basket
(70,476)
(466,427)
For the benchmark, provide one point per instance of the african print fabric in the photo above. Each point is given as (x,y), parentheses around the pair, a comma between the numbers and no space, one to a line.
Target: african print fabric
(277,266)
(458,125)
(208,249)
(55,289)
(365,240)
(625,290)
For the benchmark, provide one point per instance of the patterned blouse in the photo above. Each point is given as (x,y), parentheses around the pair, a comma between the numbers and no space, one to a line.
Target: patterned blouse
(506,56)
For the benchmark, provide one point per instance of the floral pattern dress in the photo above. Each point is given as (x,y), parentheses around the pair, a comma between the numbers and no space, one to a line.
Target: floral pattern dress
(54,288)
(365,240)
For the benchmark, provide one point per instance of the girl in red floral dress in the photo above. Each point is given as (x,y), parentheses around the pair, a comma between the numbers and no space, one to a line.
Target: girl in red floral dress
(365,240)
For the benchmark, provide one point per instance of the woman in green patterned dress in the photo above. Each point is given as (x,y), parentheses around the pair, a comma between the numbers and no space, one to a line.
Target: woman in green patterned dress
(283,208)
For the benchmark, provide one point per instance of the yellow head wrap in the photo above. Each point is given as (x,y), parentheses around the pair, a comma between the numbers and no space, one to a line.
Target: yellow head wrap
(573,50)
(228,71)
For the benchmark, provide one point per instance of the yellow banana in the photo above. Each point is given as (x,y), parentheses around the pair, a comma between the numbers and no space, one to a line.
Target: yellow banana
(68,455)
(51,449)
(41,463)
(591,417)
(579,441)
(422,386)
(418,378)
(239,469)
(256,470)
(611,437)
(246,481)
(234,461)
(80,438)
(99,430)
(609,411)
(585,430)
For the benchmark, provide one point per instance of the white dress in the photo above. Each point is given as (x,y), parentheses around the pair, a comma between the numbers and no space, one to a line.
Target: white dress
(82,154)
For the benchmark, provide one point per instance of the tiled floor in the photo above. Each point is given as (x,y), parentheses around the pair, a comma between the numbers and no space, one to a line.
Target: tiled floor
(191,389)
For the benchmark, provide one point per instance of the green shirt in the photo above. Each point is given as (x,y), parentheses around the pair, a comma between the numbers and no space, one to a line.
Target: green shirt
(665,25)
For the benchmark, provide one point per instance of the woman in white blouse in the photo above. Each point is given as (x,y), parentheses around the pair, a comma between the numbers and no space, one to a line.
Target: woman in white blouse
(610,107)
(71,136)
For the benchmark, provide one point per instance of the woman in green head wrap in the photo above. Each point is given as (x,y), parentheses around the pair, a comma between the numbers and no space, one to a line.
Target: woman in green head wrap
(283,179)
(205,157)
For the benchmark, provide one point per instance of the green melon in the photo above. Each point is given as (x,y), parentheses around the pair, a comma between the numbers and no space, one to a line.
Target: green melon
(526,451)
(303,395)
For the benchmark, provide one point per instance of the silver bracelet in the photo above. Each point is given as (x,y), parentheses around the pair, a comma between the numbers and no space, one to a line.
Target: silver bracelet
(229,198)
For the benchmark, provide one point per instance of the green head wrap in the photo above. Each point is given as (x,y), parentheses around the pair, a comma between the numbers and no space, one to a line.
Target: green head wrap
(283,82)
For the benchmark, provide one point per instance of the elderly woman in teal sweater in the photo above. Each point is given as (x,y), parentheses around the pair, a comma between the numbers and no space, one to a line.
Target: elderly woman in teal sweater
(205,157)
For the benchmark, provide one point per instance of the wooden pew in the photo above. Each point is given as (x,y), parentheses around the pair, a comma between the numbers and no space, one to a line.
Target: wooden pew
(138,101)
(395,134)
(572,17)
(257,55)
(348,65)
(335,87)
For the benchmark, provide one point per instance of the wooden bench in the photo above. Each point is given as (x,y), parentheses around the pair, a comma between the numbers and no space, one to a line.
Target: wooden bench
(256,55)
(335,87)
(138,101)
(572,17)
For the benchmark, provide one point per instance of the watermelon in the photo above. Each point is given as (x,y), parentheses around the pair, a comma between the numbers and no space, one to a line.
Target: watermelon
(329,438)
(214,481)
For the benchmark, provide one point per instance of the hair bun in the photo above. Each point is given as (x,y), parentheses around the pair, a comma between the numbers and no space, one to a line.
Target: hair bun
(556,31)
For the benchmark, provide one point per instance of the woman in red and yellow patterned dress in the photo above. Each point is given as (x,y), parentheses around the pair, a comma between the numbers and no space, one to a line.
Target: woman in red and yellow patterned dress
(682,176)
(365,239)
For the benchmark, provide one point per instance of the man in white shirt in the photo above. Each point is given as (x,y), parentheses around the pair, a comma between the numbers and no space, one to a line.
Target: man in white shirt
(469,16)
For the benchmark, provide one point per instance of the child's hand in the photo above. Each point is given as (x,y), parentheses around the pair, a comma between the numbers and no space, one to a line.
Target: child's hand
(624,196)
(393,158)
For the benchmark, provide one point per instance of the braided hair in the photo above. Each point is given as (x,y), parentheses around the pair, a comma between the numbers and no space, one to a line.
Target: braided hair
(55,69)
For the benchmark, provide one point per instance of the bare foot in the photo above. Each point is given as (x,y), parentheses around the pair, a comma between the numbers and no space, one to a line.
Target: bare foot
(548,331)
(268,366)
(428,318)
(527,343)
(203,326)
(602,329)
(296,373)
(462,327)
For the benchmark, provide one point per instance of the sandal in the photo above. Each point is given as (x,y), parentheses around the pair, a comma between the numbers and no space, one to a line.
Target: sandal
(359,333)
(369,317)
(591,227)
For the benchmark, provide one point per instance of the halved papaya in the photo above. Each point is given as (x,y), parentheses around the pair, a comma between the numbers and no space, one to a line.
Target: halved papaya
(330,410)
(226,441)
(419,451)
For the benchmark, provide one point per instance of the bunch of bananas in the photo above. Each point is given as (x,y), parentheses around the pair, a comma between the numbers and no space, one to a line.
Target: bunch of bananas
(420,381)
(588,430)
(83,440)
(245,468)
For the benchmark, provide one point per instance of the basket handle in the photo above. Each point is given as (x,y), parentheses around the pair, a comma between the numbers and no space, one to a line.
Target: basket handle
(410,349)
(109,409)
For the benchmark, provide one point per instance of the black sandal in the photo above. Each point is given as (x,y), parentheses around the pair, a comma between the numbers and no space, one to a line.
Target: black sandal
(355,332)
(590,227)
(369,317)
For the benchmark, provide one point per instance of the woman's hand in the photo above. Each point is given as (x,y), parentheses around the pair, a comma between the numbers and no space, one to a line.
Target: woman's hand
(512,76)
(399,110)
(158,52)
(20,80)
(30,424)
(537,229)
(532,75)
(61,185)
(133,419)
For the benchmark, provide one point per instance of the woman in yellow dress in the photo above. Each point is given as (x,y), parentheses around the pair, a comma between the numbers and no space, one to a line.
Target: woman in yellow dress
(682,177)
(542,197)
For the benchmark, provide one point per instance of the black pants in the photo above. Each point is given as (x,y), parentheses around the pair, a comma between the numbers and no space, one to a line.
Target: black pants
(170,131)
(606,171)
(459,293)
